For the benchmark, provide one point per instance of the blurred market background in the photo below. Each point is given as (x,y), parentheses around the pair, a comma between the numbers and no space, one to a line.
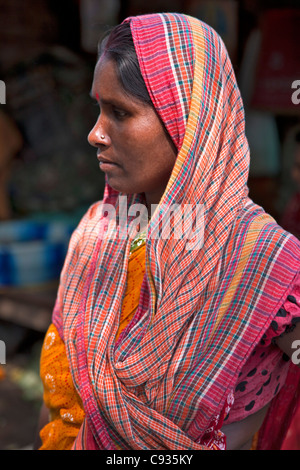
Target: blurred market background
(49,175)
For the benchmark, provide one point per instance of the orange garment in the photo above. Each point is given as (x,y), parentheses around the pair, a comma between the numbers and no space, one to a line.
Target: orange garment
(65,408)
(66,412)
(2,373)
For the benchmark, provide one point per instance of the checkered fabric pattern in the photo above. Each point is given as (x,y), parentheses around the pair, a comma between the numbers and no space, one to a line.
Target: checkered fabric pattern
(202,312)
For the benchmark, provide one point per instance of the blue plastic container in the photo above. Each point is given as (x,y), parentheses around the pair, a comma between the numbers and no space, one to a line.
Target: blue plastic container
(32,252)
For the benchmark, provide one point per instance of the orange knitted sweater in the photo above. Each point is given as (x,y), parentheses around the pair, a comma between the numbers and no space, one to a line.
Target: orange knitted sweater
(66,412)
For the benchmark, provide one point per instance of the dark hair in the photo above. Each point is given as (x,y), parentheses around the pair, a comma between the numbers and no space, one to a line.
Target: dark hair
(297,137)
(118,45)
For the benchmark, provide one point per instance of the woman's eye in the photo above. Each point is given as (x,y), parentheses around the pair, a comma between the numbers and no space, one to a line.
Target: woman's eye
(120,113)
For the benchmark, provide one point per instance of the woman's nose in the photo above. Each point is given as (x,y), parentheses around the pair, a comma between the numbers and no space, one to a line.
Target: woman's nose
(98,136)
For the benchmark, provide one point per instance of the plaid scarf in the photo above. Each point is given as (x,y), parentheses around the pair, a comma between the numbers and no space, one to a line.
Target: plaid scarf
(167,383)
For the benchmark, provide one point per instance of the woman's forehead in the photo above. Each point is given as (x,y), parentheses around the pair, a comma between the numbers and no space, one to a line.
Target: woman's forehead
(105,78)
(107,88)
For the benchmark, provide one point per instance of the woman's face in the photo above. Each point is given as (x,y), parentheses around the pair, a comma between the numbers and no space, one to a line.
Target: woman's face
(133,147)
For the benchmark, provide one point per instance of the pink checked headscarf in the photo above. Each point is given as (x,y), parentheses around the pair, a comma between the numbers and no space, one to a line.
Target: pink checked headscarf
(169,381)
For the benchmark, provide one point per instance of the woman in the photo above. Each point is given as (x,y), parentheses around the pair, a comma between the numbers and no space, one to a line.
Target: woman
(172,342)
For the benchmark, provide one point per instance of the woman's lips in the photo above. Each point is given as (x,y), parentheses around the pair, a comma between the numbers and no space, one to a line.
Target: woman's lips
(106,164)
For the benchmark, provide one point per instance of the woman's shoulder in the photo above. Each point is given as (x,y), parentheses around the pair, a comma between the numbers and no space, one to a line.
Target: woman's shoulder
(87,226)
(267,233)
(93,211)
(90,218)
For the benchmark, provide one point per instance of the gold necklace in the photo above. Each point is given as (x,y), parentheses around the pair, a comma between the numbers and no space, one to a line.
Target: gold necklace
(138,241)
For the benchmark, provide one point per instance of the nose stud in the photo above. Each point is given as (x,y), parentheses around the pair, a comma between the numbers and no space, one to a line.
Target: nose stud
(102,137)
